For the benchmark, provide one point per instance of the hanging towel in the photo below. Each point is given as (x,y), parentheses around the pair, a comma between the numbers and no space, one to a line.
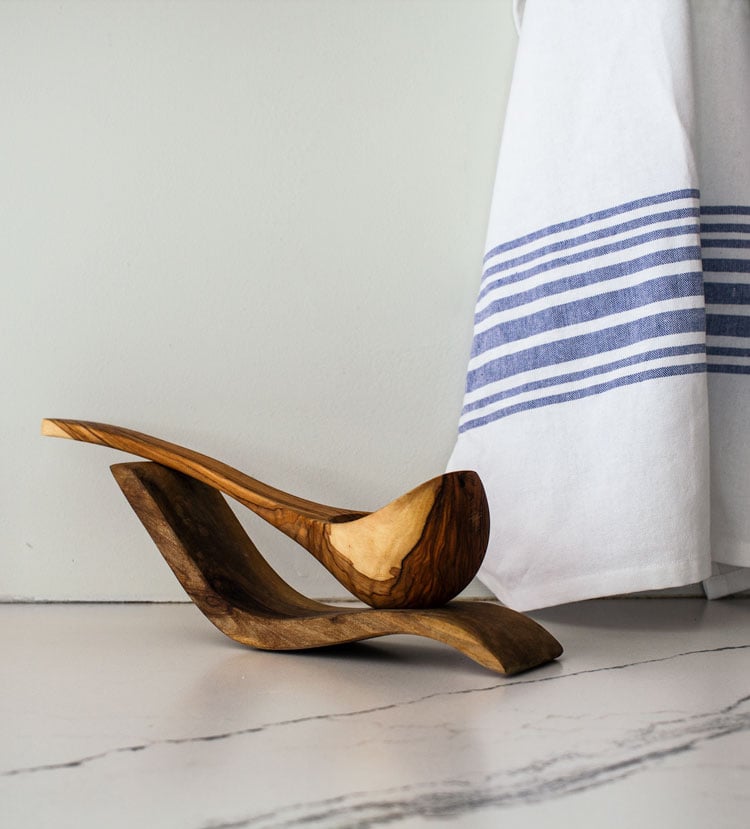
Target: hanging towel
(607,404)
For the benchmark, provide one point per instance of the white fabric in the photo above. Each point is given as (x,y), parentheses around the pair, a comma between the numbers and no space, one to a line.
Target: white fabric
(607,405)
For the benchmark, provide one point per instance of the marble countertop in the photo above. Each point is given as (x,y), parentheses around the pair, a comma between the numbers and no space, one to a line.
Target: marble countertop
(145,715)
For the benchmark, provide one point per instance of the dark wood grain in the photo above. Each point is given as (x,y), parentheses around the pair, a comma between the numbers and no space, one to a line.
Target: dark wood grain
(418,551)
(231,583)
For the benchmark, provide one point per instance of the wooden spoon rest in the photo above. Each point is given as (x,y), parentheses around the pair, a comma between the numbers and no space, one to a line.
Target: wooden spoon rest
(235,588)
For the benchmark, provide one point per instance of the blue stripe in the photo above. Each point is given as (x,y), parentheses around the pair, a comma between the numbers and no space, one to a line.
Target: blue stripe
(726,265)
(727,293)
(724,232)
(588,309)
(573,376)
(651,374)
(720,368)
(580,280)
(592,253)
(724,227)
(722,351)
(727,325)
(725,243)
(726,210)
(586,345)
(613,230)
(674,195)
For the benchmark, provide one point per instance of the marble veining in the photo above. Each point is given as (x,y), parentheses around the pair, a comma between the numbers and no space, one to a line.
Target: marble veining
(646,718)
(445,726)
(552,778)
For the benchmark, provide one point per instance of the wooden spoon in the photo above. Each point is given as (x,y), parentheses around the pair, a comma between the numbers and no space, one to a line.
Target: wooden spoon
(235,588)
(420,550)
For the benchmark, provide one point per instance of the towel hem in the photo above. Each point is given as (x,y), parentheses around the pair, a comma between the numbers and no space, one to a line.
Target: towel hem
(599,585)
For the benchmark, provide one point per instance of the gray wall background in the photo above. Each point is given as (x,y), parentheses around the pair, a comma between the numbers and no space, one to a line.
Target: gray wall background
(254,228)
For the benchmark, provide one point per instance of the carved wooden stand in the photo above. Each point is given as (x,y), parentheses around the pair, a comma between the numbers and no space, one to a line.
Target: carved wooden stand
(177,496)
(235,588)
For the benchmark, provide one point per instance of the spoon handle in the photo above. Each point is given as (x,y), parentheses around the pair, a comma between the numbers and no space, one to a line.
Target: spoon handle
(270,503)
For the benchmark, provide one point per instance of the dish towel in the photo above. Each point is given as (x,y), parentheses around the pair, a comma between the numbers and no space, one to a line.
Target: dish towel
(607,404)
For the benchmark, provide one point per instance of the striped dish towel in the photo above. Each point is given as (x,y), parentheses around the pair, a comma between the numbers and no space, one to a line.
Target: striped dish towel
(608,390)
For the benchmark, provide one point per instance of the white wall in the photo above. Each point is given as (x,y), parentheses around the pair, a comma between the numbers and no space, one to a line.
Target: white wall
(254,228)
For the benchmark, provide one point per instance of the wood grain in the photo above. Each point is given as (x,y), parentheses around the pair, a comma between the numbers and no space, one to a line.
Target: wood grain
(235,588)
(418,551)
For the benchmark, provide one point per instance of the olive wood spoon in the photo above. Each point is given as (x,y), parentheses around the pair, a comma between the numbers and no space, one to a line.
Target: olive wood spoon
(235,588)
(420,550)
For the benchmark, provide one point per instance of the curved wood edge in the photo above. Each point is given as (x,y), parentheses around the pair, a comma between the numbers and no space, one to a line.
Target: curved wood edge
(237,590)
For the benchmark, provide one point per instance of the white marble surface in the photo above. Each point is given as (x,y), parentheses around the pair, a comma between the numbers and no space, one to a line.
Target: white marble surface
(144,715)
